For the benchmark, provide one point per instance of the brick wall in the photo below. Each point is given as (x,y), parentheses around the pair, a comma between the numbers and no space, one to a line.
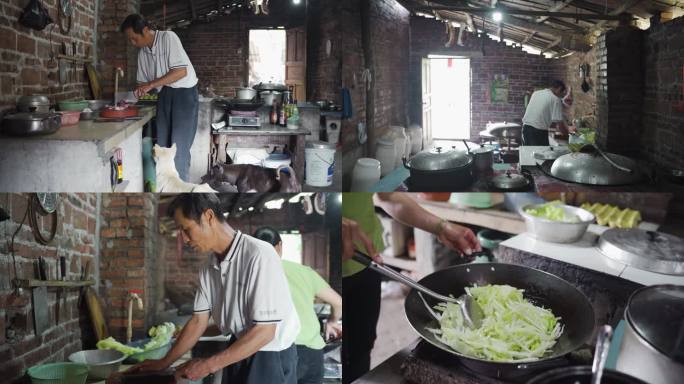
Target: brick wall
(620,89)
(662,125)
(584,103)
(25,65)
(324,73)
(219,49)
(20,348)
(113,48)
(128,260)
(488,58)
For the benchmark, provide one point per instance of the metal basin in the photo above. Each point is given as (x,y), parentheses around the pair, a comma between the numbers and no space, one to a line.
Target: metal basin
(101,363)
(558,231)
(593,169)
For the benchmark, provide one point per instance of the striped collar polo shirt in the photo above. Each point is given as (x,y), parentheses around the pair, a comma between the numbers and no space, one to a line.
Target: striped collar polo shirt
(167,53)
(247,288)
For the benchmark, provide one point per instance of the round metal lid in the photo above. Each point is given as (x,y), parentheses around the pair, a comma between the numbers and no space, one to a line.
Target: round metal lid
(436,159)
(551,153)
(656,313)
(590,168)
(647,250)
(510,181)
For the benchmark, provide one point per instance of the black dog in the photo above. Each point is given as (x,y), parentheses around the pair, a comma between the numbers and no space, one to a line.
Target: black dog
(252,178)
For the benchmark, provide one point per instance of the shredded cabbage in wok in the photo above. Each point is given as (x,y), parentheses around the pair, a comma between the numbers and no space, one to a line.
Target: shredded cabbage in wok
(513,329)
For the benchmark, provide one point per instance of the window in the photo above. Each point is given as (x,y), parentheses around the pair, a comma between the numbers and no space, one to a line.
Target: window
(267,60)
(292,247)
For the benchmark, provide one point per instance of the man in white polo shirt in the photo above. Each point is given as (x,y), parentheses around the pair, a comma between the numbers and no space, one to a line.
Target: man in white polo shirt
(244,289)
(163,65)
(545,108)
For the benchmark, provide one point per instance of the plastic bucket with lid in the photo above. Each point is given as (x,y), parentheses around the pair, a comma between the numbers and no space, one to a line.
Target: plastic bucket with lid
(320,163)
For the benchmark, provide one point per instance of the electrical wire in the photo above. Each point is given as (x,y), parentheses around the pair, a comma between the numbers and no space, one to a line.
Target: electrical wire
(11,242)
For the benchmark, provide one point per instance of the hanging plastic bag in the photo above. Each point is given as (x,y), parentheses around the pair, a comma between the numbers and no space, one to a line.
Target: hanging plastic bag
(35,16)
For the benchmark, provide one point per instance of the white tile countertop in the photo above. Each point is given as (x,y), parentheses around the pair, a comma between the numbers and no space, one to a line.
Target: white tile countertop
(585,254)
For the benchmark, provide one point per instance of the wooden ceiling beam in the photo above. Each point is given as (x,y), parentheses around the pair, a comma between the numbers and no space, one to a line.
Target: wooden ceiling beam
(521,12)
(558,7)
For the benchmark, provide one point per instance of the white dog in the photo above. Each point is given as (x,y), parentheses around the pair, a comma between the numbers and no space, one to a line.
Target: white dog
(167,174)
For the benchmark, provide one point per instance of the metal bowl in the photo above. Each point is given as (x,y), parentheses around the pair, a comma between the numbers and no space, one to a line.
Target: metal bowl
(96,105)
(557,231)
(90,115)
(101,362)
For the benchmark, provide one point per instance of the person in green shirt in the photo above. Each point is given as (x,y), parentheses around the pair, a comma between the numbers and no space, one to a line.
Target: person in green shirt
(362,230)
(305,286)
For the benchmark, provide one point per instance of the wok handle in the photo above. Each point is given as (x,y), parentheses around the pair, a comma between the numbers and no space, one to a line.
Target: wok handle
(601,354)
(611,162)
(396,276)
(465,142)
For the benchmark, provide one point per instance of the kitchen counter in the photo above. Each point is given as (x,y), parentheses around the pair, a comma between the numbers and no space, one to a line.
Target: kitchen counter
(265,129)
(75,158)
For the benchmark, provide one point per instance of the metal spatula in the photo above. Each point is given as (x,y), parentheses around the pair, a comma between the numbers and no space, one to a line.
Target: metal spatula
(472,313)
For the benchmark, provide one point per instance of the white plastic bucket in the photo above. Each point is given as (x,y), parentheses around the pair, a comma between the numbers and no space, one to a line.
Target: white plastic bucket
(320,163)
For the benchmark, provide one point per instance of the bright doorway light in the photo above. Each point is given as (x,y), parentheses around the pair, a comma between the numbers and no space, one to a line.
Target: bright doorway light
(497,16)
(292,247)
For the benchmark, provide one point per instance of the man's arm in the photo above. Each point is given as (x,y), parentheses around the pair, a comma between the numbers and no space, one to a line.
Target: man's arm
(328,295)
(171,77)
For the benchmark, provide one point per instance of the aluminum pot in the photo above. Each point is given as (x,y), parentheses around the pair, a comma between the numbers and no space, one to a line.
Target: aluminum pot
(245,93)
(483,158)
(439,171)
(269,97)
(652,347)
(30,124)
(558,231)
(33,104)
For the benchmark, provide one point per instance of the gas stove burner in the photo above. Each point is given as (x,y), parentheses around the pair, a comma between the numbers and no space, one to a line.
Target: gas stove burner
(427,364)
(251,121)
(244,113)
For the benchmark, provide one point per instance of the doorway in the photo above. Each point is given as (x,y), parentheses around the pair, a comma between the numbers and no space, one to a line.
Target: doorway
(446,97)
(279,56)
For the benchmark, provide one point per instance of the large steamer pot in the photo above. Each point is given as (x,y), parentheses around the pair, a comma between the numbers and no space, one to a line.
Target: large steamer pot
(270,97)
(31,124)
(581,374)
(438,171)
(652,347)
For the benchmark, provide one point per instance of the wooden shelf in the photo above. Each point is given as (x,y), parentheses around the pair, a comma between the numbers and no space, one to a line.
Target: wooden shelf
(30,283)
(75,59)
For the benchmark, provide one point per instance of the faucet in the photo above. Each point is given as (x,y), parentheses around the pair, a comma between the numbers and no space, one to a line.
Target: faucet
(133,295)
(118,71)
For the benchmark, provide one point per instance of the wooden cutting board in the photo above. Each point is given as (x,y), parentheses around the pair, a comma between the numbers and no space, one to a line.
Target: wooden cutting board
(96,316)
(94,81)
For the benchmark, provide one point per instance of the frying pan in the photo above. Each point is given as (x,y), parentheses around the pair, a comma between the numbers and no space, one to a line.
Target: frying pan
(541,288)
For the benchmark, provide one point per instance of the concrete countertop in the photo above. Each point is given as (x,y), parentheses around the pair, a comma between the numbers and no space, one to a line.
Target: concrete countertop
(107,136)
(264,130)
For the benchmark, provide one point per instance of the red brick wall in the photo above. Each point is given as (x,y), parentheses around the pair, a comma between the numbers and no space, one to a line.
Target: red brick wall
(113,48)
(20,348)
(584,103)
(128,259)
(25,66)
(662,126)
(324,76)
(488,58)
(219,49)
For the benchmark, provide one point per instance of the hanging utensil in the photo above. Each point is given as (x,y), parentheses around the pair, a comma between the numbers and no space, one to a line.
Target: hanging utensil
(471,311)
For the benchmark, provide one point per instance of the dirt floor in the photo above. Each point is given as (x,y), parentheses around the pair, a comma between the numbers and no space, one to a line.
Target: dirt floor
(394,331)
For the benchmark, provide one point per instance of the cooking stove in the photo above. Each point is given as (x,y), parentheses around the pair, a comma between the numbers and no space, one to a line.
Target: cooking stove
(243,119)
(427,364)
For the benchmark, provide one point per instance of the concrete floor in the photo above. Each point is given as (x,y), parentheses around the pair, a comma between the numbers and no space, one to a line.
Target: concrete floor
(394,331)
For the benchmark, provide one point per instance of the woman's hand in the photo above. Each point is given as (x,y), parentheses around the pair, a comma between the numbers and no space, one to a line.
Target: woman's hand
(351,232)
(458,238)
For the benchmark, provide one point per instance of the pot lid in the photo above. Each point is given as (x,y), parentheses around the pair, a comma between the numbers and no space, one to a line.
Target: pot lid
(436,159)
(551,153)
(35,99)
(591,168)
(656,313)
(647,250)
(483,149)
(510,181)
(270,87)
(30,116)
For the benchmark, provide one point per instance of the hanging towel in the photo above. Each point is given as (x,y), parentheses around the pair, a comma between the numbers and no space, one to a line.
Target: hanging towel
(347,110)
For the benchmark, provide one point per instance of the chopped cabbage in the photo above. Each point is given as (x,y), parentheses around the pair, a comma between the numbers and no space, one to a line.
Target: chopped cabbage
(552,211)
(161,335)
(111,343)
(513,329)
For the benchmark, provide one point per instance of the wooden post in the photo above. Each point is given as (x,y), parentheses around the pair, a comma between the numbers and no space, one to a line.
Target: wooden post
(369,61)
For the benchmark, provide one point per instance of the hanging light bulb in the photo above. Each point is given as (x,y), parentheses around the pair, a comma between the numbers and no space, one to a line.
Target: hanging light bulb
(497,16)
(296,2)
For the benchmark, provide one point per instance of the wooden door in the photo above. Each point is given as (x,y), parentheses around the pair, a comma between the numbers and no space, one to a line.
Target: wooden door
(315,252)
(427,103)
(295,67)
